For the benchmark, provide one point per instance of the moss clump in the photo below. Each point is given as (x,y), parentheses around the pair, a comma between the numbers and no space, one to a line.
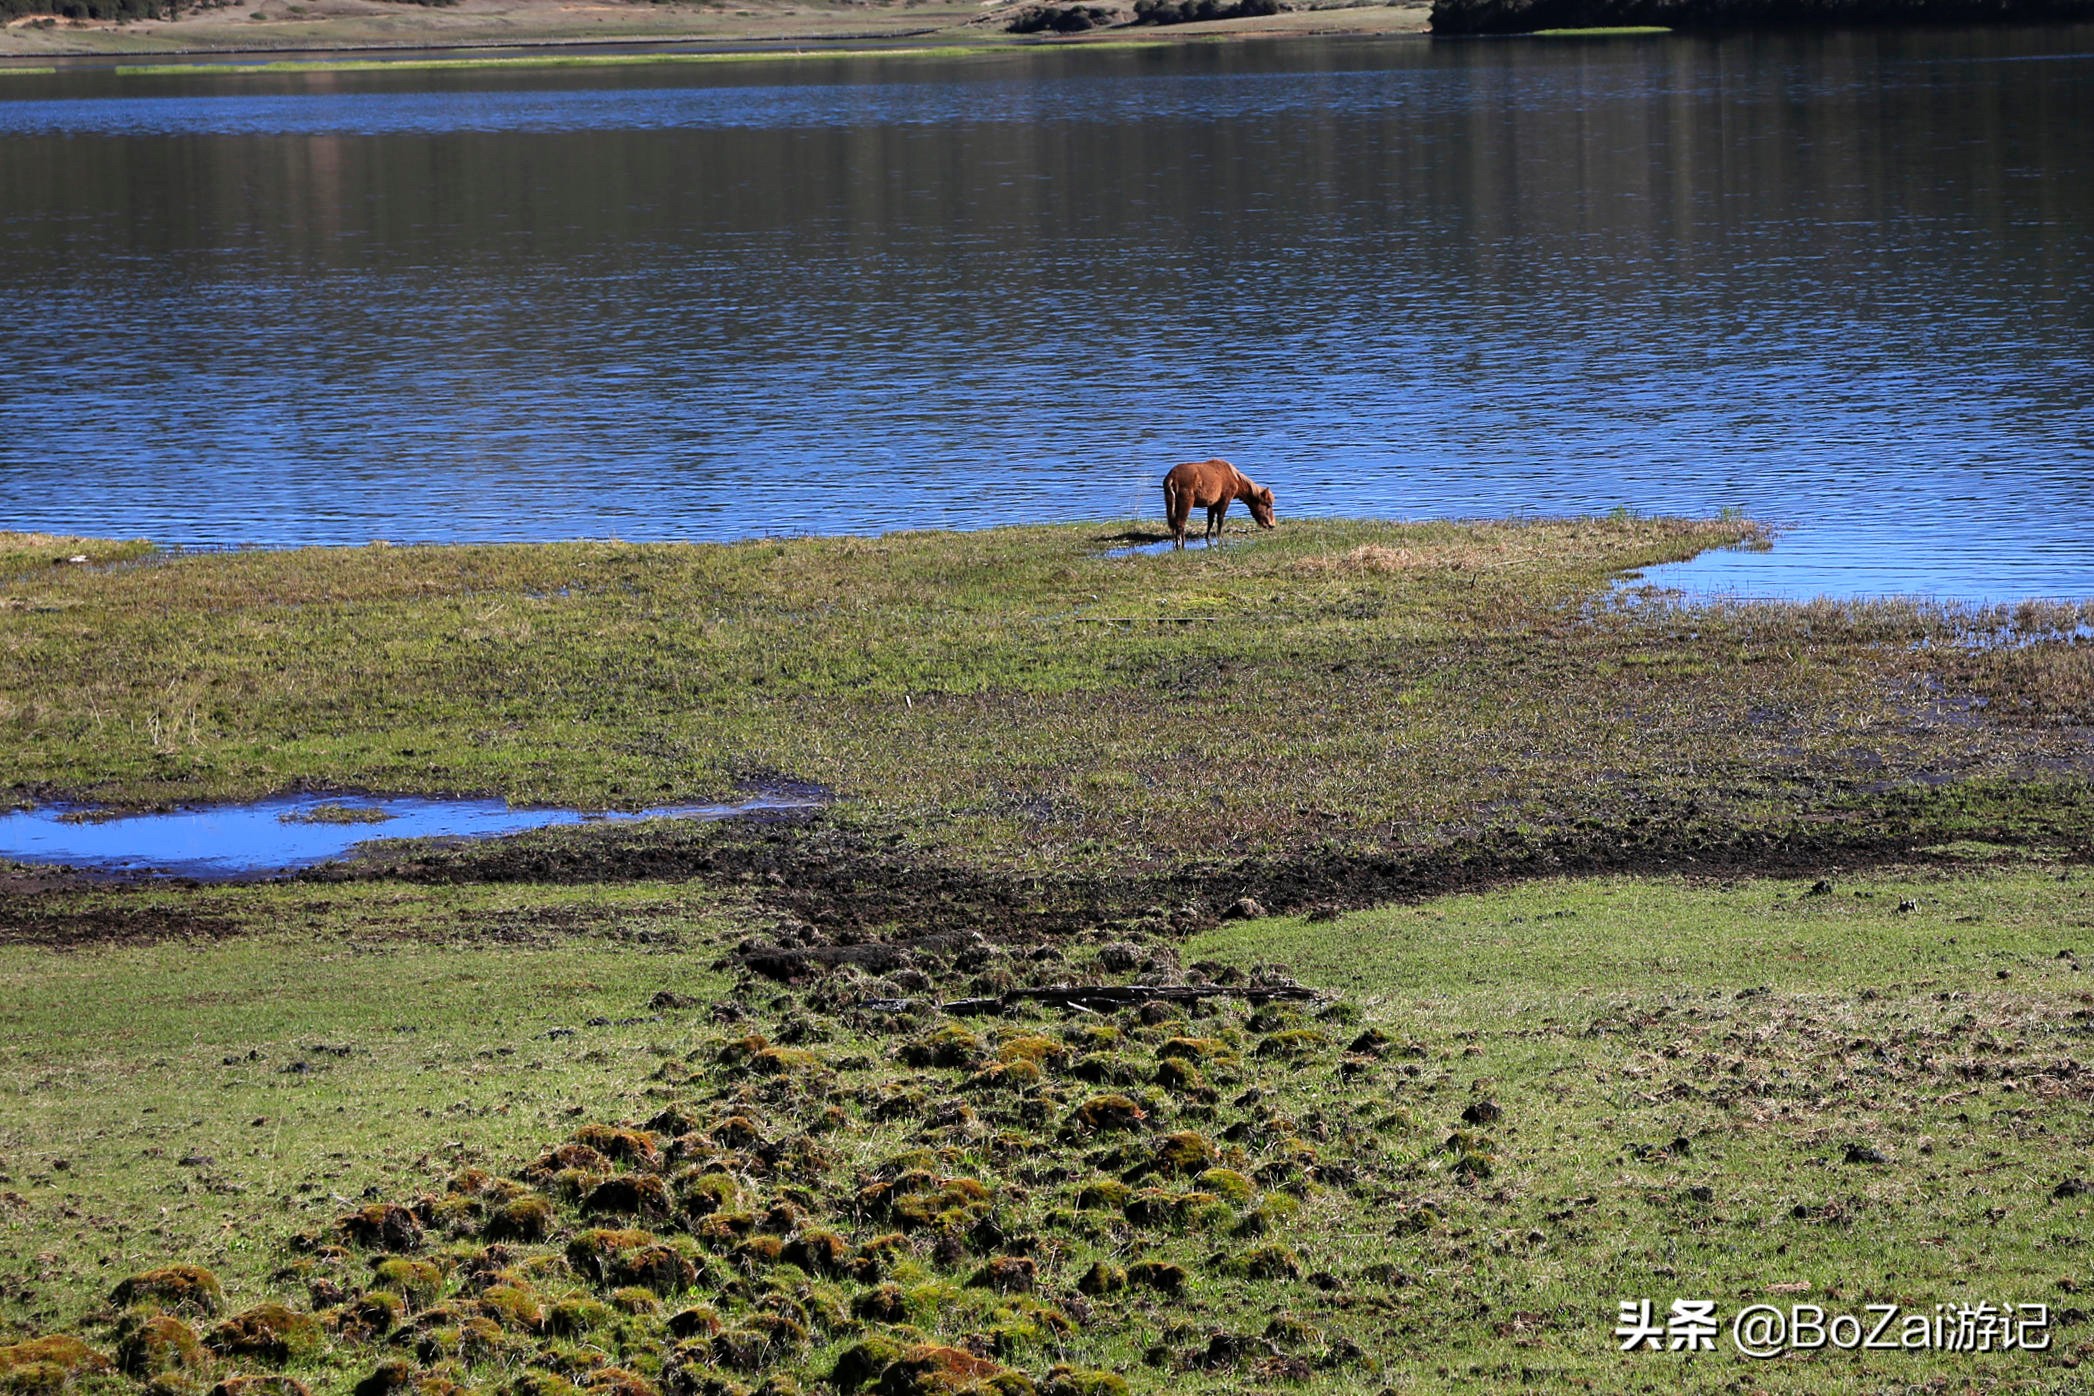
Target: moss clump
(474,1338)
(1197,1049)
(267,1384)
(525,1219)
(950,1046)
(618,1381)
(1107,1112)
(150,1344)
(188,1289)
(1372,1043)
(1031,1047)
(786,1061)
(1227,1183)
(1162,1207)
(883,1303)
(698,1321)
(705,1193)
(933,1369)
(1475,1167)
(759,1340)
(418,1280)
(1164,1275)
(819,1251)
(634,1146)
(567,1158)
(536,1382)
(44,1366)
(372,1314)
(453,1213)
(1107,1069)
(1268,1263)
(635,1299)
(919,1199)
(382,1226)
(571,1318)
(1064,1380)
(628,1195)
(1007,1274)
(1184,1151)
(1094,1036)
(271,1332)
(738,1051)
(513,1307)
(1293,1044)
(1181,1077)
(592,1253)
(1006,1076)
(862,1363)
(1103,1278)
(755,1254)
(721,1228)
(660,1269)
(1104,1194)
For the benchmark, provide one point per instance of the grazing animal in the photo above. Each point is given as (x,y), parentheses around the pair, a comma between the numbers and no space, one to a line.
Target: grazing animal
(1212,485)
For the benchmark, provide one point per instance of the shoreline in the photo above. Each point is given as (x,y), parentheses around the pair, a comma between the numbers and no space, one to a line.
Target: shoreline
(537,31)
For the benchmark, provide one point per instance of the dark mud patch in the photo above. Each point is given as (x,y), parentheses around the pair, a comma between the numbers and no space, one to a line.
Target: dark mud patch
(832,897)
(25,922)
(844,897)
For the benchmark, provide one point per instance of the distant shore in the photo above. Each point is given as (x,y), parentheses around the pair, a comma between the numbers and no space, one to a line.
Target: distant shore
(627,30)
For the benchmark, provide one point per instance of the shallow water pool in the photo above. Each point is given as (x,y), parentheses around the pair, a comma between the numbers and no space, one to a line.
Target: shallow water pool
(287,832)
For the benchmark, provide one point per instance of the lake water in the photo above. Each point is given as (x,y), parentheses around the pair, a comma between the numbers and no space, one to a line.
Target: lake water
(286,832)
(1844,282)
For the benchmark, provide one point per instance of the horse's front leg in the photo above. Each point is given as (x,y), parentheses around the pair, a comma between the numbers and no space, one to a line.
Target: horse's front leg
(1214,521)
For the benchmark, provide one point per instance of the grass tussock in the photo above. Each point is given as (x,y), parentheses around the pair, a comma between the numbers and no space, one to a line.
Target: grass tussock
(1504,1114)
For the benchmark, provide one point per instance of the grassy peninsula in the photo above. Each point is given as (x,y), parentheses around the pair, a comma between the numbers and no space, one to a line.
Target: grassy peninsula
(1515,943)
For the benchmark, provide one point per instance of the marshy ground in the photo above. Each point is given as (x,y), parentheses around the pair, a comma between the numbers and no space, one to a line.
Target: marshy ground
(1722,951)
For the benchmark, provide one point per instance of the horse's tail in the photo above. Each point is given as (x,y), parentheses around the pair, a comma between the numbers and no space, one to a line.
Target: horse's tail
(1173,510)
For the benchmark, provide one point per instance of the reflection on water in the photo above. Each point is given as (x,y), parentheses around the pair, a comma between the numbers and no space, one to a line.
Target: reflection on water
(1840,281)
(289,831)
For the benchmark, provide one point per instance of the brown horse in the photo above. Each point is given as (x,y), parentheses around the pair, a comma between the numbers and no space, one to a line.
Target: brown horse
(1212,485)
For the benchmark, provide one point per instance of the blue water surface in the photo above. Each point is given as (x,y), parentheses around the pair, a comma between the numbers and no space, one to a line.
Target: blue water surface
(1841,281)
(219,841)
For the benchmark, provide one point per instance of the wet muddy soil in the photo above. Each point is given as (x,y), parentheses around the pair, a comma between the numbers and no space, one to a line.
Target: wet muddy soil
(826,895)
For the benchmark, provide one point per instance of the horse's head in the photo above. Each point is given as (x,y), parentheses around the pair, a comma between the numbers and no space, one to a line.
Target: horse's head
(1261,508)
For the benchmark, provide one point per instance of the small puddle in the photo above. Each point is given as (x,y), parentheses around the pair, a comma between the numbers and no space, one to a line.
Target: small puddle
(1142,549)
(287,832)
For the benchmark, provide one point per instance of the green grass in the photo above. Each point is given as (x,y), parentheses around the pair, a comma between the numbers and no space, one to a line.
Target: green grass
(32,552)
(118,1061)
(1601,31)
(335,814)
(1014,699)
(1767,1027)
